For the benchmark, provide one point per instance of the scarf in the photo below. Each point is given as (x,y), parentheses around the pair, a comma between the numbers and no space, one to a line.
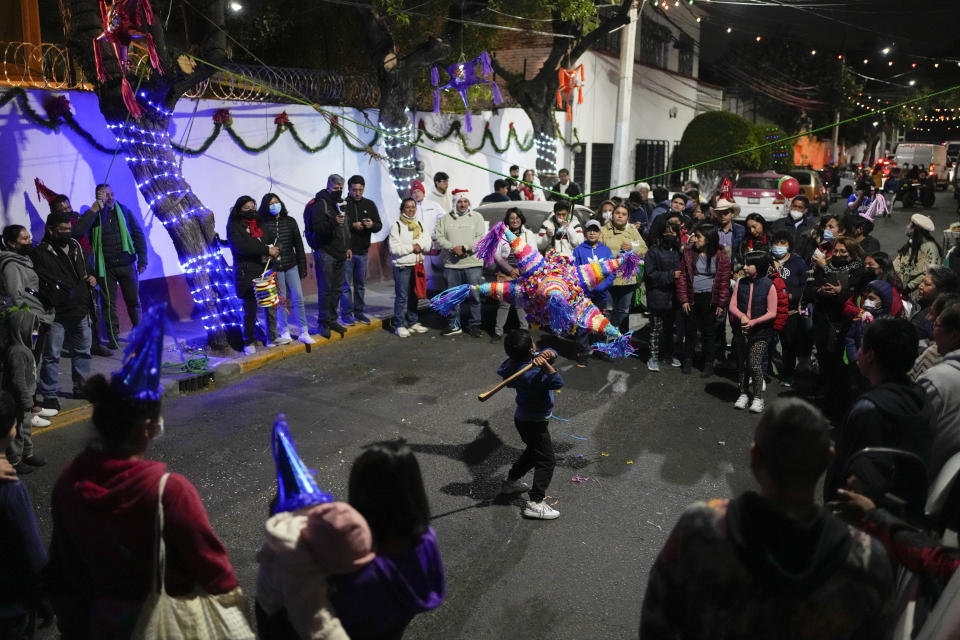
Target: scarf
(126,242)
(253,228)
(412,224)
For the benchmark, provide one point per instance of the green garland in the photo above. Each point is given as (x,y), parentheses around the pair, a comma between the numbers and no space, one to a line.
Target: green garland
(53,124)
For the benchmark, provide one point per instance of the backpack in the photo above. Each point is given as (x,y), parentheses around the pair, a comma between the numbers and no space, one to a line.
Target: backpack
(308,224)
(783,302)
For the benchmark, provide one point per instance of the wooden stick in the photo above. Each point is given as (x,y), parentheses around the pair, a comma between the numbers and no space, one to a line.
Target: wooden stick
(483,397)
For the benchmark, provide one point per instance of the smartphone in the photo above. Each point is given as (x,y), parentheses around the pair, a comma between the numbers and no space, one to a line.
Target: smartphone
(833,279)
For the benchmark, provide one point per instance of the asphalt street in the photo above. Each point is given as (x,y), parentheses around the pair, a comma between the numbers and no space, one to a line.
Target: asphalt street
(634,448)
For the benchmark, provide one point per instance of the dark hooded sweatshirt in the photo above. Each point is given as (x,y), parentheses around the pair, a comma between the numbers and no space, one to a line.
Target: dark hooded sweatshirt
(895,414)
(20,367)
(101,552)
(739,569)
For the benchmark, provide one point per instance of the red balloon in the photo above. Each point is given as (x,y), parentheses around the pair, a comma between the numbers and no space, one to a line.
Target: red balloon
(789,187)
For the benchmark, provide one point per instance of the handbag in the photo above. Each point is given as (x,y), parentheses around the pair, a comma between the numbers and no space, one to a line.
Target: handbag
(198,616)
(420,280)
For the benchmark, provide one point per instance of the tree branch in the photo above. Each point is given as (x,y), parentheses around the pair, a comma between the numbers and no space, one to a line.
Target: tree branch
(589,39)
(510,76)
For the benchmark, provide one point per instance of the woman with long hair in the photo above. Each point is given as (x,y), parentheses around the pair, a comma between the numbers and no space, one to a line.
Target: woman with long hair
(661,272)
(507,268)
(250,253)
(618,235)
(282,230)
(919,253)
(408,244)
(526,191)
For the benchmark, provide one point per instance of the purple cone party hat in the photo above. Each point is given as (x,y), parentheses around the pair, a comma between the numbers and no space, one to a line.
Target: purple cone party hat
(139,375)
(296,487)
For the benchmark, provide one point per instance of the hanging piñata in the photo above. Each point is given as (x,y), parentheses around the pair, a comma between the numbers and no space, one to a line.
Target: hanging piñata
(568,82)
(123,22)
(463,75)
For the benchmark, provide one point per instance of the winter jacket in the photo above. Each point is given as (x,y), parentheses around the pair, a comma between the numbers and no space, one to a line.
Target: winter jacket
(534,389)
(21,283)
(321,228)
(721,280)
(20,366)
(504,257)
(455,229)
(356,211)
(496,196)
(585,254)
(860,321)
(754,299)
(797,229)
(292,583)
(63,278)
(249,254)
(430,213)
(564,240)
(573,192)
(401,244)
(742,569)
(794,274)
(614,238)
(380,600)
(941,384)
(101,550)
(658,210)
(783,302)
(24,551)
(659,268)
(911,273)
(894,414)
(830,307)
(283,232)
(113,254)
(442,200)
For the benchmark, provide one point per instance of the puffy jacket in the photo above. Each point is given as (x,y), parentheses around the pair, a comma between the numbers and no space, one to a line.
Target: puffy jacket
(356,211)
(113,255)
(756,299)
(63,278)
(794,275)
(322,229)
(284,232)
(564,240)
(402,241)
(22,284)
(659,268)
(721,281)
(249,254)
(783,302)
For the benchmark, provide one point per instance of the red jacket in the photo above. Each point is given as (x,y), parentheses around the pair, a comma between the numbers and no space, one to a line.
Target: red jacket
(721,280)
(101,552)
(783,302)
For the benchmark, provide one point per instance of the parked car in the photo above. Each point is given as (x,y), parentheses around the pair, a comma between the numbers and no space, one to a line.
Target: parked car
(846,181)
(953,156)
(759,193)
(813,188)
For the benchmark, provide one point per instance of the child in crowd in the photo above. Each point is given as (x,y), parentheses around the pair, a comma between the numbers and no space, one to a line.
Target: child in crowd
(591,250)
(535,389)
(20,380)
(753,309)
(24,552)
(875,303)
(661,271)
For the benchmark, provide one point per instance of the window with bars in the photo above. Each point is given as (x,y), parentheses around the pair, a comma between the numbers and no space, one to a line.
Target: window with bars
(654,44)
(685,46)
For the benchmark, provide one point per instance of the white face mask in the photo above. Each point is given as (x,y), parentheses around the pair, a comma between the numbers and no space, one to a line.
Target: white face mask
(796,215)
(871,305)
(160,429)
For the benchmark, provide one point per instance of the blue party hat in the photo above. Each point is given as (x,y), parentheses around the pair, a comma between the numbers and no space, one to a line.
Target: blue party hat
(139,376)
(296,487)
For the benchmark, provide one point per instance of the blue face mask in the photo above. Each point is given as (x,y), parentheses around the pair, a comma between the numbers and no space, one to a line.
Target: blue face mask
(827,234)
(778,251)
(275,208)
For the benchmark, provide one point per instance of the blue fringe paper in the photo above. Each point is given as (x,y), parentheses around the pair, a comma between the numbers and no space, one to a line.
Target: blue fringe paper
(489,243)
(630,265)
(486,68)
(622,347)
(562,316)
(497,98)
(444,303)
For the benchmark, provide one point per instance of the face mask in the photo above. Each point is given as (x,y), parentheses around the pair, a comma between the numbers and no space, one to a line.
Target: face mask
(160,430)
(827,234)
(871,305)
(248,213)
(778,251)
(275,208)
(24,249)
(796,215)
(839,261)
(607,215)
(33,338)
(907,231)
(61,238)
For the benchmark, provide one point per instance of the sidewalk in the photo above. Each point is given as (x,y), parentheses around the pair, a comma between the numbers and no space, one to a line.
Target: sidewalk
(190,334)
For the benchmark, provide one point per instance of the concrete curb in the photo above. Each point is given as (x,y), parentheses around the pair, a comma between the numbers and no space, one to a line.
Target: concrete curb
(226,371)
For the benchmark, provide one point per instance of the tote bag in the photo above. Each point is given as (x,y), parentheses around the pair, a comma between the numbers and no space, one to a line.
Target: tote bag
(420,280)
(198,616)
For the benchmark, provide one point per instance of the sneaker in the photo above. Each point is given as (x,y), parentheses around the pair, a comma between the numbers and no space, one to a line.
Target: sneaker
(452,331)
(416,327)
(582,360)
(37,421)
(269,344)
(687,366)
(305,338)
(707,370)
(497,337)
(756,406)
(786,382)
(476,332)
(653,365)
(324,331)
(35,461)
(47,413)
(249,350)
(336,327)
(675,362)
(22,468)
(764,387)
(285,338)
(402,332)
(539,511)
(347,321)
(52,402)
(510,487)
(742,401)
(362,319)
(101,351)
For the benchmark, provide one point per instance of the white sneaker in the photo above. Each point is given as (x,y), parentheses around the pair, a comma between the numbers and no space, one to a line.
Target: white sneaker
(305,338)
(510,487)
(285,338)
(416,327)
(539,511)
(756,406)
(37,421)
(47,413)
(269,344)
(741,402)
(249,350)
(764,387)
(402,332)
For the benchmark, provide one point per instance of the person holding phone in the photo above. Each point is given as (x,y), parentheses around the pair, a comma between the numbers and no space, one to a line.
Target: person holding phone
(324,225)
(363,219)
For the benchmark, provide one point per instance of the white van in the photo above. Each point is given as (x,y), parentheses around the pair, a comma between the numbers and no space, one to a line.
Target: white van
(931,158)
(953,156)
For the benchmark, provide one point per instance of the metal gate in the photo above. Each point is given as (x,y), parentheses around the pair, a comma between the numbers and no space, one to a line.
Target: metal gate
(652,158)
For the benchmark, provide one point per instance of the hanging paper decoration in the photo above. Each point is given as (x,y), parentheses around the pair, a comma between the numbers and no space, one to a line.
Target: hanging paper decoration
(463,75)
(568,82)
(124,22)
(725,191)
(43,191)
(551,289)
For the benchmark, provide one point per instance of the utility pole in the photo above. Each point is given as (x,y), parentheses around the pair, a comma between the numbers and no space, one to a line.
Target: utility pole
(621,152)
(836,136)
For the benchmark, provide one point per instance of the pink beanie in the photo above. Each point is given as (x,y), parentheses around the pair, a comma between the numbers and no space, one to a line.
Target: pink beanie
(339,537)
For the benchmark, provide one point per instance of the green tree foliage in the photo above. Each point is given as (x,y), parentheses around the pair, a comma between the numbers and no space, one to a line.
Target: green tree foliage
(718,134)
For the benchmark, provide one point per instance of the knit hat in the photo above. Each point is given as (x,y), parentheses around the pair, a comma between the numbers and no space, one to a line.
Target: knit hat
(139,375)
(296,487)
(460,194)
(339,537)
(884,290)
(922,221)
(416,184)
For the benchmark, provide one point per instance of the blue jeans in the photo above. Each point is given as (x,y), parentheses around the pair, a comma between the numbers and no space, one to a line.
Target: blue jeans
(404,301)
(74,334)
(288,282)
(621,296)
(356,278)
(471,276)
(330,274)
